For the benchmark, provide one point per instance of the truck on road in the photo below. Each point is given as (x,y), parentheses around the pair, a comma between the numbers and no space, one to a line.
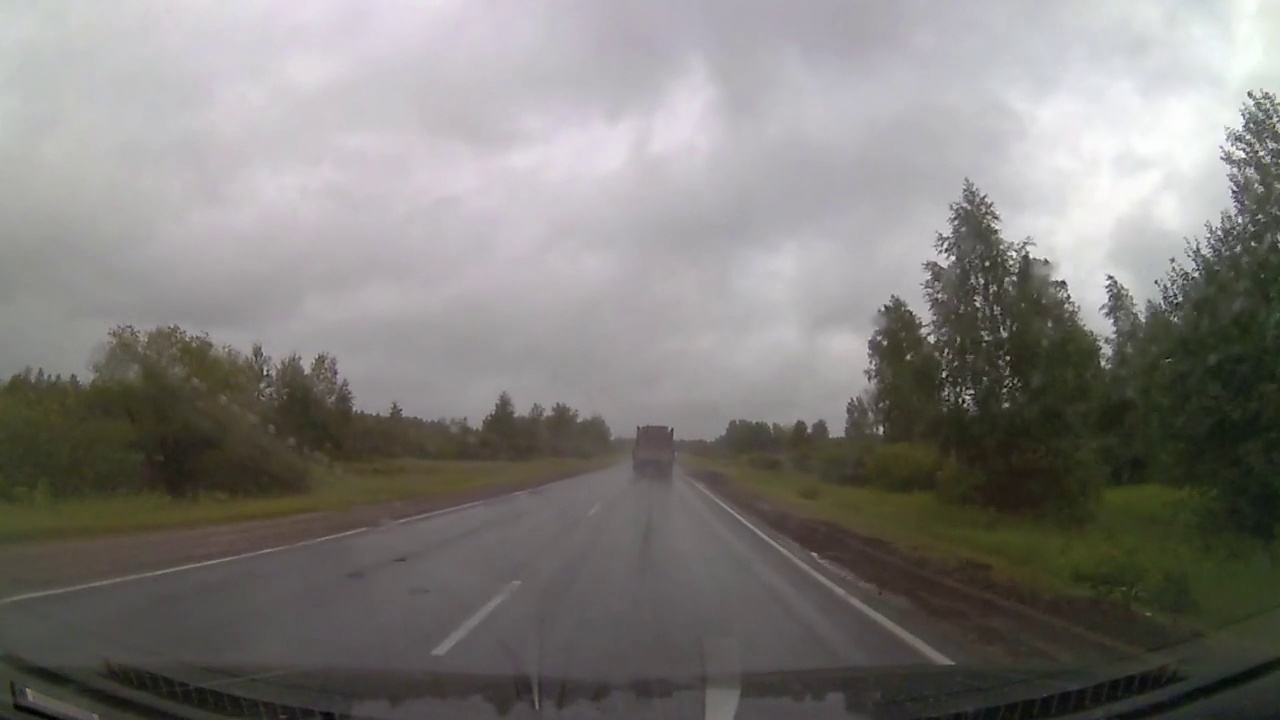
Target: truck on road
(654,452)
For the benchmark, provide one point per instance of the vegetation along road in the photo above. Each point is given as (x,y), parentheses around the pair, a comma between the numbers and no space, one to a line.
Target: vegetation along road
(1011,486)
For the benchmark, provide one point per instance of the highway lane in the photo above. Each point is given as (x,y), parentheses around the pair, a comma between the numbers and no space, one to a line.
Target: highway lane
(602,576)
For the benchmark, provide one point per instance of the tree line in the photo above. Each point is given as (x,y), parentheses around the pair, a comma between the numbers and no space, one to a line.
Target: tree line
(998,394)
(167,410)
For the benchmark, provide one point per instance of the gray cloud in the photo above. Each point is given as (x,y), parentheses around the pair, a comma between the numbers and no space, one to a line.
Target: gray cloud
(659,211)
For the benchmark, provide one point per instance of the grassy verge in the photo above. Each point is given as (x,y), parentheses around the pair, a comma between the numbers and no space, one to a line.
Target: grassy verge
(339,489)
(1143,548)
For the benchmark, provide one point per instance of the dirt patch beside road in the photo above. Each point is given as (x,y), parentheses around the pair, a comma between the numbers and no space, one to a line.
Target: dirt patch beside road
(1002,622)
(31,567)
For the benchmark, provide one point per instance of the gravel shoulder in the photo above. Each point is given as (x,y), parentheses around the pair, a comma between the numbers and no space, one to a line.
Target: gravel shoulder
(1003,623)
(37,566)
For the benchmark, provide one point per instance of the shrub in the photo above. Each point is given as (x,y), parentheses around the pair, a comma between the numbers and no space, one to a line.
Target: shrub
(764,462)
(834,462)
(1056,480)
(802,461)
(251,464)
(959,484)
(1121,576)
(1171,591)
(904,467)
(857,475)
(59,451)
(810,490)
(1248,509)
(1117,577)
(1082,492)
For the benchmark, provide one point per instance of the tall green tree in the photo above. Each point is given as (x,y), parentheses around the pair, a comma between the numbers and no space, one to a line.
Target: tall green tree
(742,437)
(594,436)
(560,425)
(1056,382)
(966,289)
(798,439)
(298,410)
(333,404)
(260,369)
(1019,370)
(501,427)
(819,431)
(1121,311)
(1123,445)
(531,434)
(1224,337)
(904,373)
(859,418)
(190,404)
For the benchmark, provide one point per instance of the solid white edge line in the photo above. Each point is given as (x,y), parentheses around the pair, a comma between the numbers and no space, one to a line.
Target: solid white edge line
(470,623)
(241,556)
(898,631)
(178,568)
(433,513)
(464,506)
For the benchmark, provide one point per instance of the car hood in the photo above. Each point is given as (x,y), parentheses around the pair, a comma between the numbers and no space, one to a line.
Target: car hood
(137,687)
(120,688)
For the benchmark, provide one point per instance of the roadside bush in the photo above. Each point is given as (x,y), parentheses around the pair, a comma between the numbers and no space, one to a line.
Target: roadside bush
(1171,591)
(959,484)
(810,490)
(1065,491)
(764,462)
(58,451)
(1116,577)
(904,467)
(1247,508)
(1120,576)
(835,463)
(1086,478)
(802,461)
(1049,480)
(248,463)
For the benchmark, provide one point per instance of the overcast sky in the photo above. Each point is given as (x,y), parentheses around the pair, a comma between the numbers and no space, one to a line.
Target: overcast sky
(663,211)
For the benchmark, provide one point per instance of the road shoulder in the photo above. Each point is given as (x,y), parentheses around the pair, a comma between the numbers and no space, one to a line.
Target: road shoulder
(994,623)
(39,566)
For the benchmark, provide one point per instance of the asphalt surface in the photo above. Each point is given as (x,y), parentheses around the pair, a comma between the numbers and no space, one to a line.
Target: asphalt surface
(603,576)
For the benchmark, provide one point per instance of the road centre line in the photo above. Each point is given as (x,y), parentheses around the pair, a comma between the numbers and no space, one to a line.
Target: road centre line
(898,631)
(470,623)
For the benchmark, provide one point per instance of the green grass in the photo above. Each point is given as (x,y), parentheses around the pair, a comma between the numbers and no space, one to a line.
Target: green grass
(1144,537)
(348,486)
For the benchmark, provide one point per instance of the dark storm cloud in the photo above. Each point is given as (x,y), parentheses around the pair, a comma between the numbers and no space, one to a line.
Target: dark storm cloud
(660,211)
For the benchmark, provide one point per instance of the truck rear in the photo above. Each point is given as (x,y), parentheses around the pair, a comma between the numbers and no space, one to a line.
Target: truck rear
(654,452)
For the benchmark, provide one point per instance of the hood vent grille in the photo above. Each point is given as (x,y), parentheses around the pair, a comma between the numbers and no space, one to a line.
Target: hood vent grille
(1069,702)
(211,699)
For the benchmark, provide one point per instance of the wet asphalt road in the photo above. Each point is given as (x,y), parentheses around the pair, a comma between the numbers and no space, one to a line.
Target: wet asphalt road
(603,576)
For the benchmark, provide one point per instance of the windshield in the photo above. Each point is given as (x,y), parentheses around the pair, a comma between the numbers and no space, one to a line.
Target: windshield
(714,359)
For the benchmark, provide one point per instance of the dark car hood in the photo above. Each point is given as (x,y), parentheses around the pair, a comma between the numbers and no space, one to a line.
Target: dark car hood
(118,686)
(137,691)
